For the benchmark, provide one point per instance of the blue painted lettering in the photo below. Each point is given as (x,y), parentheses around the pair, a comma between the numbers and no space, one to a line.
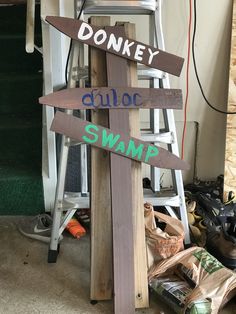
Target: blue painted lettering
(126,99)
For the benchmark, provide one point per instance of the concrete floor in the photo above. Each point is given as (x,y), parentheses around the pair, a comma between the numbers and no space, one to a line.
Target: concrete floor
(28,284)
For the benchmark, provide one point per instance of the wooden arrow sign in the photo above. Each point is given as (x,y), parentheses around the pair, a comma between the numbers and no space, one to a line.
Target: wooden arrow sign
(118,143)
(114,98)
(113,42)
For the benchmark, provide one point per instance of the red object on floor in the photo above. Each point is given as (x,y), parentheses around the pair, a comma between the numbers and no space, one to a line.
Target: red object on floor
(75,228)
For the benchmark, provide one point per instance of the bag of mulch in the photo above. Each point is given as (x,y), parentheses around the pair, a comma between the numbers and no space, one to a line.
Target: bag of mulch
(174,291)
(203,284)
(164,235)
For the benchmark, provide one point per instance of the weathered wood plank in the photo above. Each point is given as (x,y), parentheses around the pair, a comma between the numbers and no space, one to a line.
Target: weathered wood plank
(230,149)
(115,98)
(118,143)
(101,233)
(121,196)
(119,45)
(140,262)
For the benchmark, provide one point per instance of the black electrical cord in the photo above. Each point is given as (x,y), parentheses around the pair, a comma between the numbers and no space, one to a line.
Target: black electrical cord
(195,66)
(70,47)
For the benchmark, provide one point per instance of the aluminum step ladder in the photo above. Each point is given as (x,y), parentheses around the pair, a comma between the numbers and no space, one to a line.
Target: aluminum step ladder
(68,202)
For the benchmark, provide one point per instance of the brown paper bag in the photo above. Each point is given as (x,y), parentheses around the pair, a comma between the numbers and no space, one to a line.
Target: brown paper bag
(162,244)
(212,280)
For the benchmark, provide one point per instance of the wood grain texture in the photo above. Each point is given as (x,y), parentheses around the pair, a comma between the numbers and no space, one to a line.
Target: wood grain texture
(114,98)
(230,149)
(137,51)
(121,196)
(101,234)
(140,262)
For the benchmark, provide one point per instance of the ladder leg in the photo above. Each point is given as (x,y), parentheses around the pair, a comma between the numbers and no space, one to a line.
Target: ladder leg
(169,122)
(177,178)
(154,113)
(83,148)
(54,242)
(57,212)
(59,224)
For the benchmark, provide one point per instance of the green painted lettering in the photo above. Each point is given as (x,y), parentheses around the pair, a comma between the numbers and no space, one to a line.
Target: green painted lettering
(120,147)
(135,151)
(110,139)
(151,152)
(87,129)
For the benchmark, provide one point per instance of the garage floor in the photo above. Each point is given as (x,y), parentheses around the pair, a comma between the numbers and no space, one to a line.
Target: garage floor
(28,284)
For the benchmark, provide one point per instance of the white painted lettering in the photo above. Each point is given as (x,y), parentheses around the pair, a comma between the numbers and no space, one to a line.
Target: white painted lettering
(152,54)
(100,36)
(139,52)
(114,42)
(82,31)
(126,47)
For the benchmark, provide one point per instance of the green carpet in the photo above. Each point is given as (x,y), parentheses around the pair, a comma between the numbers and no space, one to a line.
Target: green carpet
(21,189)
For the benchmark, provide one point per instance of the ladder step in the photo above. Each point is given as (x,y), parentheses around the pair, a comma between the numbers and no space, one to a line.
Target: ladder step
(78,200)
(144,73)
(83,201)
(163,201)
(166,138)
(120,7)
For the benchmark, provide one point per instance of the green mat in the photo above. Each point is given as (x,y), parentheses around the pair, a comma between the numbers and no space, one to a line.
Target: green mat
(21,189)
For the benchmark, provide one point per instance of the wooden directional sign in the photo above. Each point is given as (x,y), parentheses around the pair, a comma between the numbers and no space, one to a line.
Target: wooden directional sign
(114,98)
(118,143)
(113,42)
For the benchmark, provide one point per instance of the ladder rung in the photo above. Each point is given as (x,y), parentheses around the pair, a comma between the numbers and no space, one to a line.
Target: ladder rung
(163,201)
(79,201)
(144,73)
(73,142)
(166,138)
(83,201)
(120,7)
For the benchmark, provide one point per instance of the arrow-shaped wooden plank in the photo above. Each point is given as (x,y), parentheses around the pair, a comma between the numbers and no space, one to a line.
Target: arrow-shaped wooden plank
(118,143)
(114,98)
(119,45)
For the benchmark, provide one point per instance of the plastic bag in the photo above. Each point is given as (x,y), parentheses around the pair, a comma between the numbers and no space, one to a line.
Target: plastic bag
(210,279)
(162,244)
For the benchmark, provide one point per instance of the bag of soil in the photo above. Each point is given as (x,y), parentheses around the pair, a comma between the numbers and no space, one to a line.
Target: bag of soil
(205,277)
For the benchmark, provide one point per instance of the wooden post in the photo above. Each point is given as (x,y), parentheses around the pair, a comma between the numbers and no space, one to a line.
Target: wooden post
(140,262)
(101,235)
(230,149)
(121,195)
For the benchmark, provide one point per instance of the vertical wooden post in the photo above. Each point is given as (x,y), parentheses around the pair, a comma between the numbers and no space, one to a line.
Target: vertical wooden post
(101,246)
(140,263)
(121,189)
(230,149)
(101,235)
